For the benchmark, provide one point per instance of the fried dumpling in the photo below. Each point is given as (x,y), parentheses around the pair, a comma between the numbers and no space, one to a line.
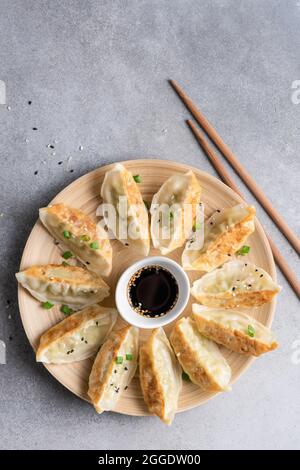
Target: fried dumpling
(114,368)
(77,337)
(235,330)
(129,220)
(173,211)
(235,284)
(160,376)
(200,357)
(56,283)
(224,234)
(77,232)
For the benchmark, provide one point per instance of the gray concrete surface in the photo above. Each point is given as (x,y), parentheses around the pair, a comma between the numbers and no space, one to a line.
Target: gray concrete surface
(96,74)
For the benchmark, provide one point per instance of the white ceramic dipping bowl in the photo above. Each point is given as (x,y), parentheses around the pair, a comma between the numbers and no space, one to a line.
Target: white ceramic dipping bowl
(136,319)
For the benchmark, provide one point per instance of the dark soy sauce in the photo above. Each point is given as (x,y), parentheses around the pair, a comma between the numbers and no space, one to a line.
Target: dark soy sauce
(152,291)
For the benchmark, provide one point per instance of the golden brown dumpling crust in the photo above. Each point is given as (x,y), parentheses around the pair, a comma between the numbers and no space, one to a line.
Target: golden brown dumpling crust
(104,364)
(241,299)
(76,275)
(233,339)
(81,223)
(186,357)
(228,243)
(151,388)
(68,325)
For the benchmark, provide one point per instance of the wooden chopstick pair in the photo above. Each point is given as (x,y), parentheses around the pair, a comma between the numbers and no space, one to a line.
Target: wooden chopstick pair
(248,180)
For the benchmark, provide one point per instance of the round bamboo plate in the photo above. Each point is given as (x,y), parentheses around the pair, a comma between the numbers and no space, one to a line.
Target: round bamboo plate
(84,193)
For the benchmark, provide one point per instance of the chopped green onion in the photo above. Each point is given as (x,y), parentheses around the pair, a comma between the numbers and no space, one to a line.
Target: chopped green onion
(66,310)
(67,234)
(196,226)
(67,254)
(243,251)
(94,245)
(119,360)
(147,205)
(251,331)
(85,238)
(64,263)
(129,357)
(185,377)
(47,305)
(171,215)
(137,178)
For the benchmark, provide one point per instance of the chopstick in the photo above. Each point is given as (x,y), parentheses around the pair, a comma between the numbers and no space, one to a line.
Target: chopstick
(240,170)
(219,167)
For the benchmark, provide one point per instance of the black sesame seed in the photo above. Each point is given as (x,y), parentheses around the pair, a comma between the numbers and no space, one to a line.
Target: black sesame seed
(82,339)
(29,102)
(72,350)
(261,275)
(218,210)
(87,262)
(256,270)
(246,264)
(36,172)
(233,288)
(115,371)
(125,368)
(211,223)
(10,338)
(249,285)
(111,385)
(228,254)
(59,163)
(126,244)
(56,242)
(8,302)
(125,388)
(51,146)
(86,342)
(71,171)
(97,323)
(34,128)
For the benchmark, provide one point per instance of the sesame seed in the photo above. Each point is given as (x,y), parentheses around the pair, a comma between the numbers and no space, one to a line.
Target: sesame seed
(80,147)
(34,128)
(36,172)
(29,102)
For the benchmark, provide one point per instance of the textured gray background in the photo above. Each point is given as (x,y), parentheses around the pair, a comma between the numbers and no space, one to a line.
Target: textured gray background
(96,73)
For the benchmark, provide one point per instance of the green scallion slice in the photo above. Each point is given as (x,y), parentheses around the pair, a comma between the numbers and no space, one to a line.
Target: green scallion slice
(67,255)
(66,310)
(251,331)
(85,238)
(47,305)
(243,251)
(67,234)
(94,245)
(137,178)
